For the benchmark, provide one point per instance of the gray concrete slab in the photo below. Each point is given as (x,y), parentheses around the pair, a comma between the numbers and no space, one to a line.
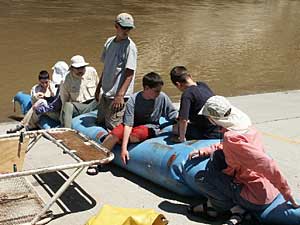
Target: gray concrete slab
(276,115)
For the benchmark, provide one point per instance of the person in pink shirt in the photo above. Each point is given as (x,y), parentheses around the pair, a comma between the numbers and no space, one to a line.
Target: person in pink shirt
(240,176)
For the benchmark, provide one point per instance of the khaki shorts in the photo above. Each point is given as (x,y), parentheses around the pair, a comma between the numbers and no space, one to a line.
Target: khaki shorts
(106,116)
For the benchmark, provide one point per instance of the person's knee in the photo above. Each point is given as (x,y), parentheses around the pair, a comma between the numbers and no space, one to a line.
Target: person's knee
(118,131)
(110,141)
(68,107)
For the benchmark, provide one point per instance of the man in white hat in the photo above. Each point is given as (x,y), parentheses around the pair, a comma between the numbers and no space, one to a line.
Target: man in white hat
(78,90)
(119,57)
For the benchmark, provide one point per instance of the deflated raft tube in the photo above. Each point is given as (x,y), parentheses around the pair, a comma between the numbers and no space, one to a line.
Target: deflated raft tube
(24,100)
(167,164)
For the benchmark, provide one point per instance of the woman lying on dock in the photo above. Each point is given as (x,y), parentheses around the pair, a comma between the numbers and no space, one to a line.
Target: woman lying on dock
(240,176)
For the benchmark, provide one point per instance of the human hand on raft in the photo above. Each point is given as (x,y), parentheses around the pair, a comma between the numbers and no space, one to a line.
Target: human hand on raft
(118,103)
(198,153)
(124,156)
(294,203)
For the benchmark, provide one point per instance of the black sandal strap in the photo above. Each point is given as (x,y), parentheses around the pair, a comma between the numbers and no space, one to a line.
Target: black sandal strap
(204,213)
(237,216)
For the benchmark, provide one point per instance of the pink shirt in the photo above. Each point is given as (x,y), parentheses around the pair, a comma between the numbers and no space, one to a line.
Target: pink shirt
(252,167)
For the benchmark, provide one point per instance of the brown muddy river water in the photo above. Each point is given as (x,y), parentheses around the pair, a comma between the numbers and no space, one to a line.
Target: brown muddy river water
(237,47)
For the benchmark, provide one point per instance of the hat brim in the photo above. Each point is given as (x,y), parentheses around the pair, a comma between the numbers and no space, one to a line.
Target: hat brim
(237,120)
(129,25)
(203,111)
(78,65)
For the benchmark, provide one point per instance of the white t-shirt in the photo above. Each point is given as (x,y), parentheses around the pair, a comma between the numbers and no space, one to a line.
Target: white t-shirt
(38,88)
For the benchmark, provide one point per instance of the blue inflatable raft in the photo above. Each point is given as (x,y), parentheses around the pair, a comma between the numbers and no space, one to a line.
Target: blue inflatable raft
(166,164)
(24,100)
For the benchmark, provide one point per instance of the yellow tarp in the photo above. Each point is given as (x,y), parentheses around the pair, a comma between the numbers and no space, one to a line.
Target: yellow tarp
(111,215)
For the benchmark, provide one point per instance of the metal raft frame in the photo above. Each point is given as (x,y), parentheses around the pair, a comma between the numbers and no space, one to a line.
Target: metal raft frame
(104,156)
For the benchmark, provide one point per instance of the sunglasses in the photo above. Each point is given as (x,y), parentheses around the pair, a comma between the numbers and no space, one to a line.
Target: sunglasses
(125,28)
(78,68)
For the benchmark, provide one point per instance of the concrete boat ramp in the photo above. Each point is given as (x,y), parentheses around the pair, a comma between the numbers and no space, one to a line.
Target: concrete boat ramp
(276,115)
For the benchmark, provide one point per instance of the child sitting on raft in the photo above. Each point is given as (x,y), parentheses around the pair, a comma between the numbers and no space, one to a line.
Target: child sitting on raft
(240,176)
(141,119)
(45,89)
(190,125)
(44,97)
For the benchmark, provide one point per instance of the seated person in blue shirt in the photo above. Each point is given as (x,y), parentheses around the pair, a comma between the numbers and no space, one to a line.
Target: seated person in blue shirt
(190,125)
(141,119)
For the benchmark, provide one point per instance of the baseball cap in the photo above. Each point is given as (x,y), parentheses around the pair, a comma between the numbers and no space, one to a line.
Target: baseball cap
(125,20)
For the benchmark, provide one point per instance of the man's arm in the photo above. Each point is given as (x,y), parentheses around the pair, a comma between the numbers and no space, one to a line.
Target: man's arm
(170,112)
(124,151)
(97,93)
(118,103)
(182,129)
(183,117)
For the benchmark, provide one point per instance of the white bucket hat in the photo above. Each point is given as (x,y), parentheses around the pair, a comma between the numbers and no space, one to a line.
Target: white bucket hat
(78,61)
(60,69)
(224,114)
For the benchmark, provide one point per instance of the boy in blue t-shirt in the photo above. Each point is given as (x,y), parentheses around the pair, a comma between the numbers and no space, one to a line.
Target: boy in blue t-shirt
(190,125)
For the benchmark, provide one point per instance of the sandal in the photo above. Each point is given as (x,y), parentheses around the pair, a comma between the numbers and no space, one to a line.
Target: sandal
(235,219)
(14,130)
(92,170)
(207,212)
